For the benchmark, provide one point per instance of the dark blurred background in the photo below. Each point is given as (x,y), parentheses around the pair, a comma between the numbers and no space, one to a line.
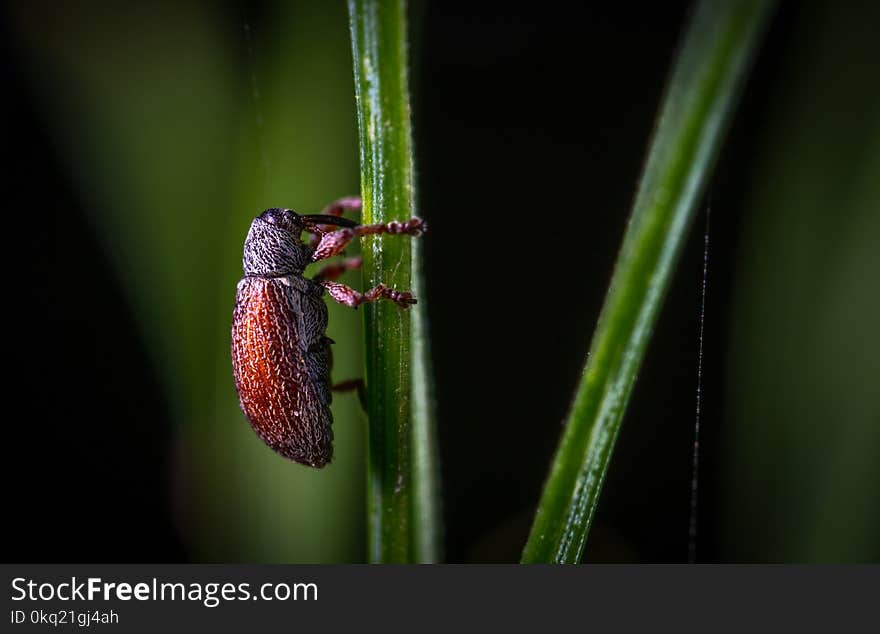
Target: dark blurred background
(141,141)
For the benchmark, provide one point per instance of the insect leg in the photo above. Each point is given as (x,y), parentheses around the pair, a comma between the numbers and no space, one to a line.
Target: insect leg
(349,297)
(350,385)
(333,243)
(317,233)
(336,208)
(339,207)
(334,270)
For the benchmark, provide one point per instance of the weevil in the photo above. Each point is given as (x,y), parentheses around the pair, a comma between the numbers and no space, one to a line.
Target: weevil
(281,357)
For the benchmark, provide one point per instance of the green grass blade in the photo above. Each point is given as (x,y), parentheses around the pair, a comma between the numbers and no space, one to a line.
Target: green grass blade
(401,489)
(703,88)
(427,526)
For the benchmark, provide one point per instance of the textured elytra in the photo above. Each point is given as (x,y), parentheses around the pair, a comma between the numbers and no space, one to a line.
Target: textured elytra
(281,364)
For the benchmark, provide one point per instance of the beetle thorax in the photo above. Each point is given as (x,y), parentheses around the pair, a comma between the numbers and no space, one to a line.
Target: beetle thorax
(271,250)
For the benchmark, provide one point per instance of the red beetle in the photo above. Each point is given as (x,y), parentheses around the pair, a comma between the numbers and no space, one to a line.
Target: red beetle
(281,355)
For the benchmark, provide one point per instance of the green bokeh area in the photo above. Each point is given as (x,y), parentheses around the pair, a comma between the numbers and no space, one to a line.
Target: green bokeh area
(803,431)
(177,129)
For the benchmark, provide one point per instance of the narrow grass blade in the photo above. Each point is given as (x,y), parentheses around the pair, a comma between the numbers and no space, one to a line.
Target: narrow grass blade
(427,523)
(401,488)
(708,73)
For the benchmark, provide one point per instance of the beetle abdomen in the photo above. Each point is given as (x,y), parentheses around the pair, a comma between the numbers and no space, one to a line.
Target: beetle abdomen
(281,365)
